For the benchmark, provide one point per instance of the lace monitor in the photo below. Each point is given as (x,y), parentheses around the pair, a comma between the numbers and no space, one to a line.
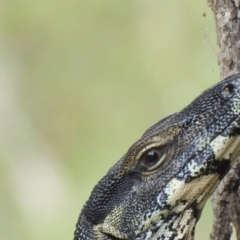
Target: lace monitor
(158,189)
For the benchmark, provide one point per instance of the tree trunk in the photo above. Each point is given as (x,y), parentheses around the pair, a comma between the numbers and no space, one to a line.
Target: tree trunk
(226,198)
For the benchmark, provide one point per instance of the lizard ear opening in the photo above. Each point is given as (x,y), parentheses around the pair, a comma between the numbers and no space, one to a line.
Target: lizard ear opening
(228,89)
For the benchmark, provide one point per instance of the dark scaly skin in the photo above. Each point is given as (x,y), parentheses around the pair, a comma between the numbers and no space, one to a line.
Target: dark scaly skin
(158,189)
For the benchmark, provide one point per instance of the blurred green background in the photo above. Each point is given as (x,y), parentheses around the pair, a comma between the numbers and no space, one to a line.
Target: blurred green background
(80,81)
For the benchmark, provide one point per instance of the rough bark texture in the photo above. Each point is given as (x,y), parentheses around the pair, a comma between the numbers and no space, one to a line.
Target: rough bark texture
(226,198)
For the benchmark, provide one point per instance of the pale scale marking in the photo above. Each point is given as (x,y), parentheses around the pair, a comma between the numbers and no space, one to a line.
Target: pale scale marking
(179,190)
(195,167)
(225,147)
(236,107)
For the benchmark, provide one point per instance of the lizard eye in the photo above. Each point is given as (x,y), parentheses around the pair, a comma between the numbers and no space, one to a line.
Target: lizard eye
(152,158)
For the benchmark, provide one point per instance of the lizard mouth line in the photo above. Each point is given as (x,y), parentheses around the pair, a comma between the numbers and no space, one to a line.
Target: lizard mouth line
(111,237)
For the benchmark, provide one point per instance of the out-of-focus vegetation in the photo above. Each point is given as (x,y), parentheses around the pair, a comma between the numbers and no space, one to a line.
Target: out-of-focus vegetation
(80,81)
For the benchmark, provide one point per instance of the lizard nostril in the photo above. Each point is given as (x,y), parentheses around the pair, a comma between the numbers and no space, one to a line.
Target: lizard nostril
(228,89)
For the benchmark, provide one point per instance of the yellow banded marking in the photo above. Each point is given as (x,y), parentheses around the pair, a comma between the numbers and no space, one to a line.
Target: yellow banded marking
(112,221)
(226,147)
(236,107)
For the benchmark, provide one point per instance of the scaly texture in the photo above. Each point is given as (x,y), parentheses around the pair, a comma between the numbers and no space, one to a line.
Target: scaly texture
(158,189)
(226,198)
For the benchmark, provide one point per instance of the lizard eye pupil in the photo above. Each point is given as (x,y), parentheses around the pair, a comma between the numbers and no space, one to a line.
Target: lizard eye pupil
(151,157)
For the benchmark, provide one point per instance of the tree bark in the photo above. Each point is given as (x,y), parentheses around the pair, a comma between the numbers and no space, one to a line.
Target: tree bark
(226,198)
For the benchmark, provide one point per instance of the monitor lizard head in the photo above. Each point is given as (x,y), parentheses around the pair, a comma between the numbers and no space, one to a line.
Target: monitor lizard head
(158,189)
